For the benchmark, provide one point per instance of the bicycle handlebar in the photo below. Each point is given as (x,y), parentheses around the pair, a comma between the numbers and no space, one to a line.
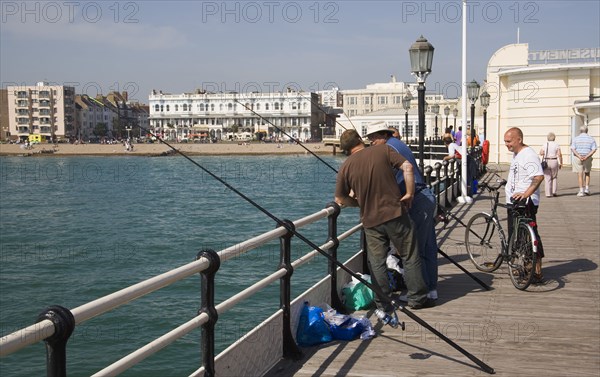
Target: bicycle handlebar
(490,188)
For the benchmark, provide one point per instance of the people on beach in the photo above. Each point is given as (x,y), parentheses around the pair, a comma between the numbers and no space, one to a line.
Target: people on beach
(583,147)
(524,178)
(423,209)
(366,180)
(550,152)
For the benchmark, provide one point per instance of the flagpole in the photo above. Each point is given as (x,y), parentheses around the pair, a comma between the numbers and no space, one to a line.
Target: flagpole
(464,198)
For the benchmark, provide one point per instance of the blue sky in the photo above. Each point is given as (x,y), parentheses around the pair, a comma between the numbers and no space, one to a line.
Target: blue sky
(179,46)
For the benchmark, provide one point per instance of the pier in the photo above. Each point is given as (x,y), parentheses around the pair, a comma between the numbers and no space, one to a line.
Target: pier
(550,330)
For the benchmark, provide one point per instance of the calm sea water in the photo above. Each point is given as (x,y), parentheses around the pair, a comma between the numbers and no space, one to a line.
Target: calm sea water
(78,228)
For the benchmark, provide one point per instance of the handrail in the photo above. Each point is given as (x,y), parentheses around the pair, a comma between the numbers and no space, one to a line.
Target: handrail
(159,343)
(44,329)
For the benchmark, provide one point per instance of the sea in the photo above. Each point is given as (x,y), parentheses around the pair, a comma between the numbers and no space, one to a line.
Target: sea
(74,229)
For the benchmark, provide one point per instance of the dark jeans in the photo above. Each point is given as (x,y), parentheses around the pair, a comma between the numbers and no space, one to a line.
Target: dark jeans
(401,233)
(531,210)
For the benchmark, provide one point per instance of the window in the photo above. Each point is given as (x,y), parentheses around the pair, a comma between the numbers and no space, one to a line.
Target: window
(201,107)
(382,100)
(168,108)
(212,107)
(397,100)
(266,106)
(351,100)
(367,100)
(176,107)
(294,105)
(185,107)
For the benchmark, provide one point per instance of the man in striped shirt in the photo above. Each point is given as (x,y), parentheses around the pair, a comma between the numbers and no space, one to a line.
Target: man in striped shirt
(583,147)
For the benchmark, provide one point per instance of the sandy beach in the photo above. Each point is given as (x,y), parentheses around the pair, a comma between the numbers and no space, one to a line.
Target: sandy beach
(159,149)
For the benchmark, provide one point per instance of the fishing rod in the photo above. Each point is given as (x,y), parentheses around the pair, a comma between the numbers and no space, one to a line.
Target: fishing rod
(290,228)
(285,133)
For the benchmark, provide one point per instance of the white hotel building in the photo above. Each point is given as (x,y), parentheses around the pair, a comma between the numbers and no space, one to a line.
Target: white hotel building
(231,116)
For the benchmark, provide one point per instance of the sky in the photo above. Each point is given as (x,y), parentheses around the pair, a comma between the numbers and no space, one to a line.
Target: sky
(265,46)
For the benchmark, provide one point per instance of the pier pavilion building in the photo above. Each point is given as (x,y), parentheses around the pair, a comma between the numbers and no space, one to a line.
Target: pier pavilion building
(542,91)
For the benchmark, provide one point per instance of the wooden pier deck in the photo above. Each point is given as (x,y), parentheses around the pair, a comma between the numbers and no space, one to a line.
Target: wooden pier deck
(548,330)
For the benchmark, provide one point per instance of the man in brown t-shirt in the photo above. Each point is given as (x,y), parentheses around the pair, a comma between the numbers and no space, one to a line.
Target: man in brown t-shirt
(366,180)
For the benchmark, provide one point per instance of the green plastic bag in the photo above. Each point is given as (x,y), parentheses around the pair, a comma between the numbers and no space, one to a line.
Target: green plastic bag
(357,295)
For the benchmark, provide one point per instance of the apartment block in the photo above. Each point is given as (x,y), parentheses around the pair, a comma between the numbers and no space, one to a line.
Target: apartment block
(44,109)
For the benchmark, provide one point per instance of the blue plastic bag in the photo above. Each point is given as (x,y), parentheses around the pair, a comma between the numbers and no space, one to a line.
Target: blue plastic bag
(349,330)
(312,328)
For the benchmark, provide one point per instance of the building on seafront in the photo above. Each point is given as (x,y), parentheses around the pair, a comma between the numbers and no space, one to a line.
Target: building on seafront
(42,109)
(383,102)
(542,91)
(233,116)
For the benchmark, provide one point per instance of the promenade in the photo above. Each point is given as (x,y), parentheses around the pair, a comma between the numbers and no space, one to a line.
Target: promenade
(160,149)
(548,330)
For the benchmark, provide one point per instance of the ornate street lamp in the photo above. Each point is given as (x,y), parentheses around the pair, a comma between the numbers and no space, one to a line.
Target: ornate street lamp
(473,94)
(485,102)
(421,59)
(406,105)
(455,114)
(446,113)
(435,108)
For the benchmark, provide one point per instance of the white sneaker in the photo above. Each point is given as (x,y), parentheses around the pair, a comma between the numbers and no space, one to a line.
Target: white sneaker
(432,294)
(587,192)
(580,193)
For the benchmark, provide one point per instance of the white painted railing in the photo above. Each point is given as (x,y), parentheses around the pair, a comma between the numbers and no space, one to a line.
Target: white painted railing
(35,333)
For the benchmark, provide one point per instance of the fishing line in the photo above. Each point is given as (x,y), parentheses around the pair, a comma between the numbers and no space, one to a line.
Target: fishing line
(285,133)
(293,231)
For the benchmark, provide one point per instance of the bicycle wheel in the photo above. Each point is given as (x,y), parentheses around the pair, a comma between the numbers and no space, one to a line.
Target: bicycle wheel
(521,265)
(483,242)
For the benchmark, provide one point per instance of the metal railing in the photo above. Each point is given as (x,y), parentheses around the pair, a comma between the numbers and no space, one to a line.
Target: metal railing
(56,323)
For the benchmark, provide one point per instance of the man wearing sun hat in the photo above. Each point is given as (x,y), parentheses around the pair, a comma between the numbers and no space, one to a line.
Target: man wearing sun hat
(366,180)
(423,209)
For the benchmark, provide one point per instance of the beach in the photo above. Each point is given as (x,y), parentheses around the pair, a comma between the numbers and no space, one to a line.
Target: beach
(160,149)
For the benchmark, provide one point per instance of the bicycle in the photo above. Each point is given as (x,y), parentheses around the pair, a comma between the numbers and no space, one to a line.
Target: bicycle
(488,247)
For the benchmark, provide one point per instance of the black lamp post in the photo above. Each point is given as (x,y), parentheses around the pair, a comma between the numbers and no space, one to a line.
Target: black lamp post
(435,108)
(473,94)
(406,105)
(455,113)
(421,59)
(485,102)
(446,113)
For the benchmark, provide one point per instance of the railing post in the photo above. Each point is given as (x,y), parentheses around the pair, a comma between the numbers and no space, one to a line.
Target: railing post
(439,179)
(427,175)
(56,345)
(336,302)
(208,306)
(290,348)
(447,183)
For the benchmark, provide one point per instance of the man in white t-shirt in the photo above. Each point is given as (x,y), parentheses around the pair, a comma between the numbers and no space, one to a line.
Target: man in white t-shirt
(524,178)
